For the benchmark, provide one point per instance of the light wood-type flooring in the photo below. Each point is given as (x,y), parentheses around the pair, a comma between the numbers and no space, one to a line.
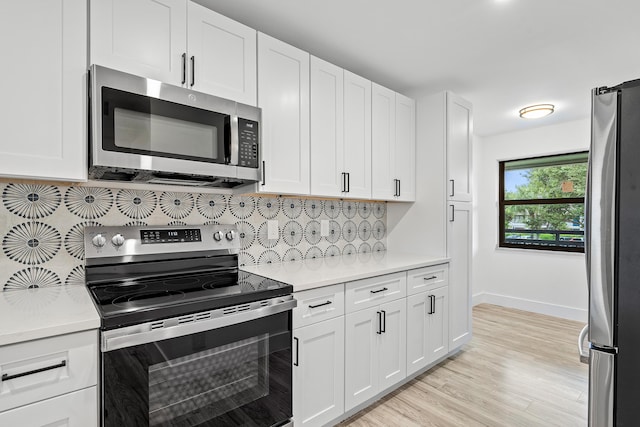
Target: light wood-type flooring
(520,369)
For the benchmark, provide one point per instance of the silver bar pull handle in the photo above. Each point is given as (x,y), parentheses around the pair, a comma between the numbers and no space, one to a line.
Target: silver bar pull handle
(453,187)
(453,213)
(584,354)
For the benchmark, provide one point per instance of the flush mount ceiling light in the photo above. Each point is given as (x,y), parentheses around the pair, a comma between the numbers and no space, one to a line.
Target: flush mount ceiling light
(536,111)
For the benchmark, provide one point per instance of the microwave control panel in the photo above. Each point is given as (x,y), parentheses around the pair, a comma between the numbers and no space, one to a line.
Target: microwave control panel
(248,143)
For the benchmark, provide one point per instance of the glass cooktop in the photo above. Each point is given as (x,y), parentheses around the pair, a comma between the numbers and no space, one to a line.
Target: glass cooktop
(142,300)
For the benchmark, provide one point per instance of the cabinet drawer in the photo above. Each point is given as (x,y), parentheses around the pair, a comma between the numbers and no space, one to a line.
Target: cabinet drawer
(318,304)
(77,409)
(40,369)
(370,292)
(427,278)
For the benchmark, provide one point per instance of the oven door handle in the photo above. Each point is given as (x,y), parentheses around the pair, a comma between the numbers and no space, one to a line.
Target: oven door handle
(143,334)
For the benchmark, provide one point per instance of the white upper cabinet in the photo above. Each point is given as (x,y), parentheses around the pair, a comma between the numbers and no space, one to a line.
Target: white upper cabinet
(393,145)
(43,114)
(143,37)
(176,42)
(383,141)
(222,55)
(459,130)
(283,95)
(327,129)
(405,148)
(357,136)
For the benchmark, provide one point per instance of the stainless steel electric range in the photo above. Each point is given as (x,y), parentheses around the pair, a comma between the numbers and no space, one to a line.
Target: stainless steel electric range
(187,339)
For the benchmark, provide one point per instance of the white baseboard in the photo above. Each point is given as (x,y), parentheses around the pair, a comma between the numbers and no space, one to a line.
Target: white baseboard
(571,313)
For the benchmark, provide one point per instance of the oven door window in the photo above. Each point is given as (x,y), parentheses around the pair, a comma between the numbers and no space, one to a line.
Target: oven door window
(237,375)
(138,124)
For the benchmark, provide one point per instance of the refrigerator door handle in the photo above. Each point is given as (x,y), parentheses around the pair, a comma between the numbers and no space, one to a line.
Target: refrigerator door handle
(600,218)
(601,383)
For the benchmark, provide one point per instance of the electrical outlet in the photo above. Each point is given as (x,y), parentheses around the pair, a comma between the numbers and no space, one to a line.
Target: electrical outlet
(324,227)
(272,229)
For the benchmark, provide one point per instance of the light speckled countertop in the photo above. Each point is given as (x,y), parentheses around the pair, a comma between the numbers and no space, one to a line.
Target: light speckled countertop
(314,273)
(31,314)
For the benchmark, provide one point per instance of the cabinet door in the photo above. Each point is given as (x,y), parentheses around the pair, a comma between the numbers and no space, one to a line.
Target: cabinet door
(362,330)
(357,135)
(43,85)
(417,309)
(143,37)
(437,324)
(318,373)
(459,137)
(393,343)
(383,143)
(224,55)
(327,131)
(283,95)
(77,409)
(405,148)
(459,251)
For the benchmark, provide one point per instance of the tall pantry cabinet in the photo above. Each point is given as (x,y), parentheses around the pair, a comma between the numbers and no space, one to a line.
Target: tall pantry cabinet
(458,136)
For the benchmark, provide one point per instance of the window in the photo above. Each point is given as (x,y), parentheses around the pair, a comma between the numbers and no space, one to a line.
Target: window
(542,202)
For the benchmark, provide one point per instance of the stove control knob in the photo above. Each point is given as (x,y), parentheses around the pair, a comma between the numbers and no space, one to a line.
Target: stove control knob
(230,235)
(217,236)
(117,240)
(98,240)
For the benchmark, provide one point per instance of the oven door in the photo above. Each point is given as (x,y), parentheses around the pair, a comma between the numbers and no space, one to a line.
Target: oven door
(238,374)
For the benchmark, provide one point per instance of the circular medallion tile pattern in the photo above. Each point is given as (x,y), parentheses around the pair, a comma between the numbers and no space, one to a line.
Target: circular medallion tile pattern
(37,227)
(313,208)
(88,202)
(268,207)
(292,208)
(332,208)
(242,206)
(32,243)
(76,277)
(312,233)
(292,233)
(31,201)
(136,204)
(176,205)
(32,277)
(292,254)
(269,257)
(74,239)
(380,210)
(313,253)
(211,206)
(246,234)
(349,209)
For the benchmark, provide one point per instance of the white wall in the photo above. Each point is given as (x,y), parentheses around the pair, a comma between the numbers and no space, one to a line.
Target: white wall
(545,282)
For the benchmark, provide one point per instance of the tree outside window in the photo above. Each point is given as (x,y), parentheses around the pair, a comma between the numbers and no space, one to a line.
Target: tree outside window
(542,202)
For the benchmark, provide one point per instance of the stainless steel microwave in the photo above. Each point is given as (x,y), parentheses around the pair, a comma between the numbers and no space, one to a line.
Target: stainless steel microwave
(143,130)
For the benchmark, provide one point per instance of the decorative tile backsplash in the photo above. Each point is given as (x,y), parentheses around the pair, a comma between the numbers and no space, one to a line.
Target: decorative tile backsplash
(42,226)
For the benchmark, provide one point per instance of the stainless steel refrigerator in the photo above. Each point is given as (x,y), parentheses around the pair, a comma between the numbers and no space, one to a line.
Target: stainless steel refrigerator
(613,256)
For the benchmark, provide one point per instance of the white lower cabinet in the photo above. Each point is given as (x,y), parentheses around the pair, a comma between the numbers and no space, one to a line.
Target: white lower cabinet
(318,372)
(318,356)
(427,328)
(375,337)
(77,409)
(50,381)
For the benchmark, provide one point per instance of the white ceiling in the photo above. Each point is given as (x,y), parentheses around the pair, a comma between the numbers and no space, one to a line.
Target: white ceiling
(499,54)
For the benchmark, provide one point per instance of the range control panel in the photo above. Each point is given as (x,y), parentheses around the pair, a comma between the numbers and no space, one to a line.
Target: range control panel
(108,241)
(248,143)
